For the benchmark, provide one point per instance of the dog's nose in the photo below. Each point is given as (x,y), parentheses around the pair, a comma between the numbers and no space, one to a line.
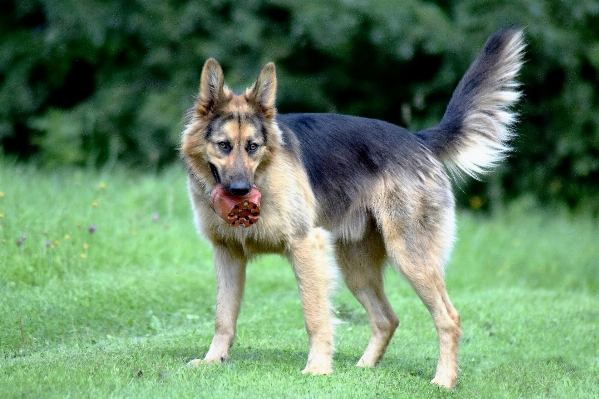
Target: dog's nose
(239,188)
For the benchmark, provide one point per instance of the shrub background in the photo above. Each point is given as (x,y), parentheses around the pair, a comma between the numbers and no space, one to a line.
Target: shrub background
(106,82)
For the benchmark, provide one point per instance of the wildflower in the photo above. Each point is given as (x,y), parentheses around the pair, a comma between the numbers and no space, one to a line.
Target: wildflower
(92,229)
(102,185)
(1,215)
(1,194)
(83,256)
(476,202)
(66,236)
(47,243)
(155,217)
(56,242)
(85,246)
(21,240)
(95,203)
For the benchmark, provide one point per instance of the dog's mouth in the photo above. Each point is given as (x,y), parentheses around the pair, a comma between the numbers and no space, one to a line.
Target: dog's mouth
(236,210)
(214,173)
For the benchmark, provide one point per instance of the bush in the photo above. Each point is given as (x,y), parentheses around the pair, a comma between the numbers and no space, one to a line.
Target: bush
(90,82)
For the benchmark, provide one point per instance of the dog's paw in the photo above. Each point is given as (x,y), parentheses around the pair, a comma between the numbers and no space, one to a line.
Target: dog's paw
(195,363)
(364,362)
(318,368)
(199,362)
(445,381)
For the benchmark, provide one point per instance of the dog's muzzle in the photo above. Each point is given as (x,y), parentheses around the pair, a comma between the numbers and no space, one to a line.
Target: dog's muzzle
(236,210)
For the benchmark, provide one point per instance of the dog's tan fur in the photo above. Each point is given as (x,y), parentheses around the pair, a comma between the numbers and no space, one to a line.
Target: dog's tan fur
(403,214)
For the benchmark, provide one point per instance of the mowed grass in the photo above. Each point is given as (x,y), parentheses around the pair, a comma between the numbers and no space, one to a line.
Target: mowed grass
(111,292)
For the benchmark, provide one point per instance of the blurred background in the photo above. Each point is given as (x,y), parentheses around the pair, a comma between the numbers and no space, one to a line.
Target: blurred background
(104,84)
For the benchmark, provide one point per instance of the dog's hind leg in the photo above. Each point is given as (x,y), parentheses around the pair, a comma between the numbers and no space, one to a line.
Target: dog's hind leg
(230,268)
(362,264)
(309,260)
(418,249)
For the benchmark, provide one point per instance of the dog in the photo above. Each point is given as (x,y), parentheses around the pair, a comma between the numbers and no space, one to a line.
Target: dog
(366,191)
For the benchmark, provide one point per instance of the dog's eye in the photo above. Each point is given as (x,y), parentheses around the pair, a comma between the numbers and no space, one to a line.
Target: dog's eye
(252,147)
(224,145)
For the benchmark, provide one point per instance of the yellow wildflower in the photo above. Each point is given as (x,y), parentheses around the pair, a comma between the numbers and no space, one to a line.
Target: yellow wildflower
(85,246)
(476,202)
(95,203)
(102,185)
(66,236)
(83,256)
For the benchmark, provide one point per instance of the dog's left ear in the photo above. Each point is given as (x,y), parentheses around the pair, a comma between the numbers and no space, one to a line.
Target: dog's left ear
(263,93)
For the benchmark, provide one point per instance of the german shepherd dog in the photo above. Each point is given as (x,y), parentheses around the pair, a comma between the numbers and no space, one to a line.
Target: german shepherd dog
(365,190)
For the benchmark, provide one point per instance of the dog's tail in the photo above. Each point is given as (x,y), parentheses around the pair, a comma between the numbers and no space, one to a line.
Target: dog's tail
(475,131)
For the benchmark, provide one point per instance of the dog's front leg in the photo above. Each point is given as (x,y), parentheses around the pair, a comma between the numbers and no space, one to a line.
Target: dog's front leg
(230,268)
(309,260)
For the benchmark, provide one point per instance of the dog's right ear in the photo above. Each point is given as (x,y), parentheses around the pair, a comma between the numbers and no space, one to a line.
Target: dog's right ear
(211,88)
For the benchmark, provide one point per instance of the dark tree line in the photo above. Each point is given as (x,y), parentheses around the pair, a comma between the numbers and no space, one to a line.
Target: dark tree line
(102,82)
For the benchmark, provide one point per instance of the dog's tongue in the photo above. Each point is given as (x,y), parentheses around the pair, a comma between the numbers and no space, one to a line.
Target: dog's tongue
(237,211)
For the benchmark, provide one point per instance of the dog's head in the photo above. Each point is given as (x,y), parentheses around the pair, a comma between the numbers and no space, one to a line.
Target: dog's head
(230,138)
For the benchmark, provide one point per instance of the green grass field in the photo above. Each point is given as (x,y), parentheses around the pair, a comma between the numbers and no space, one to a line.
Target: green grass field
(106,291)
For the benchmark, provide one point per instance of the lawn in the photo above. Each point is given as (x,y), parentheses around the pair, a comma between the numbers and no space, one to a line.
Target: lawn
(106,291)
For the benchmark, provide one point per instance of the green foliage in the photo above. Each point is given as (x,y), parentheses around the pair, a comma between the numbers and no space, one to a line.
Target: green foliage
(122,320)
(88,82)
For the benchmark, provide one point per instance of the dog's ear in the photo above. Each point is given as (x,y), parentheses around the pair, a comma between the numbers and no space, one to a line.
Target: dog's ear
(263,93)
(211,87)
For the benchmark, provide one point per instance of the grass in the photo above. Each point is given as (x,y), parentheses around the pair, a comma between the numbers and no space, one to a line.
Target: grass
(117,311)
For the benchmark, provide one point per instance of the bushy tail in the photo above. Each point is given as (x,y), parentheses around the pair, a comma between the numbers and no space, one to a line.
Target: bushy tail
(475,131)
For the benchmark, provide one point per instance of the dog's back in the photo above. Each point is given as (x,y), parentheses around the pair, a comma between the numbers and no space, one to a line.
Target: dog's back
(345,156)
